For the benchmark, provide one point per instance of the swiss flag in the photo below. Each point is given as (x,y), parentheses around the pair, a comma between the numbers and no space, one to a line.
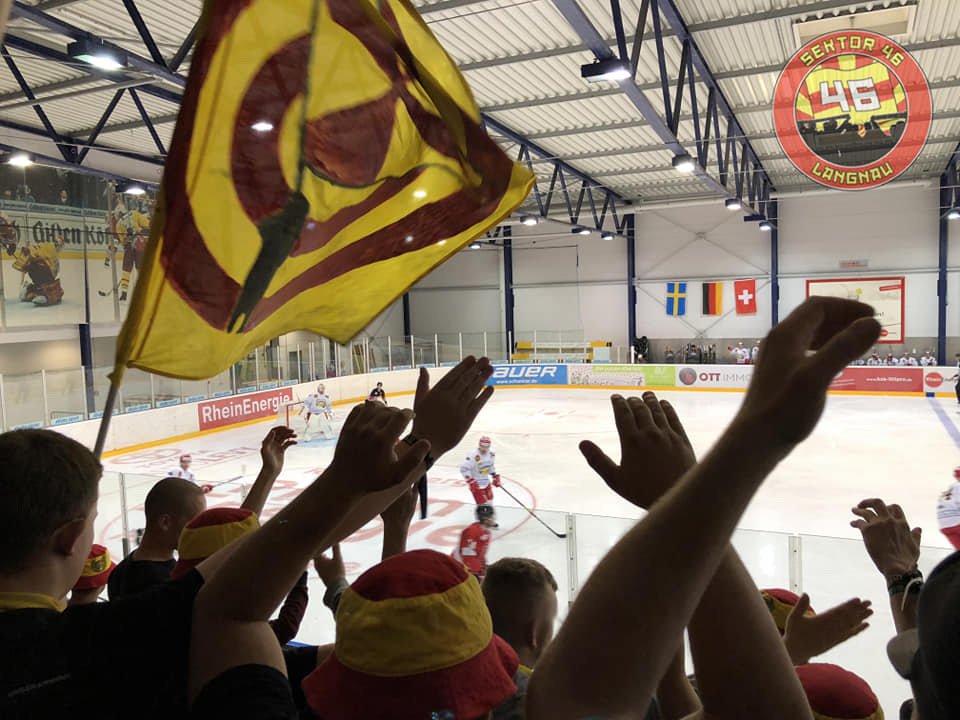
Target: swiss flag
(745,293)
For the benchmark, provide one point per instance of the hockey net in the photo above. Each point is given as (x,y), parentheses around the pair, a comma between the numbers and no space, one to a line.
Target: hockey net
(290,413)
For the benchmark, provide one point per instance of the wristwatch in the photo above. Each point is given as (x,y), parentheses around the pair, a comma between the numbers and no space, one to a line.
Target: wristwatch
(412,440)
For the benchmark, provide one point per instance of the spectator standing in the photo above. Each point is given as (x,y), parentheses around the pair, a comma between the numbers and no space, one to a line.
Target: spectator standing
(169,505)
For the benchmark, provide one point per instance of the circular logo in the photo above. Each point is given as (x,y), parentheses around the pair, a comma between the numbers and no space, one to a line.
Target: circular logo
(852,110)
(688,376)
(934,379)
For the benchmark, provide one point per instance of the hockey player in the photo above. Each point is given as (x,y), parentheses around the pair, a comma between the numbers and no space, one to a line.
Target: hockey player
(740,354)
(909,360)
(183,470)
(928,360)
(133,229)
(478,470)
(377,394)
(474,542)
(890,360)
(874,359)
(40,264)
(318,404)
(948,511)
(755,353)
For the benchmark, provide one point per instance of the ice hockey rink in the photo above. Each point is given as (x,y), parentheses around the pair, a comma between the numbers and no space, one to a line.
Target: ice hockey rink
(899,449)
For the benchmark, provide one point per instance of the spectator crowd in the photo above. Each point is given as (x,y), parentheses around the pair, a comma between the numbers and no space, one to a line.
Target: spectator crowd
(198,619)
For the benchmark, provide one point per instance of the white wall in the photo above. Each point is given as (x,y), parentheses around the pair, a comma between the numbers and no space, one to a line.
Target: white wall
(462,295)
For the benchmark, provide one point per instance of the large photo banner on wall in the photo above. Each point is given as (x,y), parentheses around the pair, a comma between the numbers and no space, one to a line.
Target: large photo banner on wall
(886,295)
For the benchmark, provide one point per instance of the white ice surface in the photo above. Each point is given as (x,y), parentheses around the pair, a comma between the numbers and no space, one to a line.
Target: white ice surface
(898,449)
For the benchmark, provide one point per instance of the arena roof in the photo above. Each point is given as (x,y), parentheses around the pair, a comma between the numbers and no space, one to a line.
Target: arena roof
(523,60)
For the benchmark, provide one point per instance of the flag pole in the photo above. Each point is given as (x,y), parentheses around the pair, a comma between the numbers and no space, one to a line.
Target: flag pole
(105,419)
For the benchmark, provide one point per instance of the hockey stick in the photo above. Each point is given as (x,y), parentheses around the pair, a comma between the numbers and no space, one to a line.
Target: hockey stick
(532,513)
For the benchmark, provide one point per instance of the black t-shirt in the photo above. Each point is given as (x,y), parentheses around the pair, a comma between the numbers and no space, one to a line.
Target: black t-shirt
(132,576)
(119,659)
(377,393)
(249,691)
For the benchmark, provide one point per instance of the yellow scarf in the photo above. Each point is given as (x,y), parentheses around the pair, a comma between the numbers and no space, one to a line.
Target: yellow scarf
(20,601)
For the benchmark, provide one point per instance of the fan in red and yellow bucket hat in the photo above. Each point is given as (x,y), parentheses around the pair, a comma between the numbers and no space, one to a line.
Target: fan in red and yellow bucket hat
(838,694)
(414,640)
(209,532)
(93,579)
(780,603)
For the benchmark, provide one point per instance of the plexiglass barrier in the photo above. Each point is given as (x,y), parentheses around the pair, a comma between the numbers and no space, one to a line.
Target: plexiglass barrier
(831,570)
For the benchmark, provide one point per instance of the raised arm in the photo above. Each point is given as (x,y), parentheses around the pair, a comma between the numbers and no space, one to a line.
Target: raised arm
(230,615)
(272,451)
(645,591)
(895,549)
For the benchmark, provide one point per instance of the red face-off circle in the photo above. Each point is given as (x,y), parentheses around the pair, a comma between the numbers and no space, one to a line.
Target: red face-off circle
(852,110)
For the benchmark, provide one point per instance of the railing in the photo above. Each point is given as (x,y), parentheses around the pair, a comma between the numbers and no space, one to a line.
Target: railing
(832,570)
(57,397)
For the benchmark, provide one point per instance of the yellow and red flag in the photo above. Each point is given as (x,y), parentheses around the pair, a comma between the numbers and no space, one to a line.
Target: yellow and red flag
(328,154)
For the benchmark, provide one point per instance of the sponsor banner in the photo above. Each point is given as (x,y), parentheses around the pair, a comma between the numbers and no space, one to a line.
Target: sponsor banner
(529,375)
(67,419)
(217,413)
(937,379)
(36,222)
(884,294)
(623,375)
(714,376)
(168,403)
(879,379)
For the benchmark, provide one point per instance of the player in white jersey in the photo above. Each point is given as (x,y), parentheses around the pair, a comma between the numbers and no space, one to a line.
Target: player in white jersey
(874,359)
(318,405)
(740,354)
(755,353)
(928,360)
(479,472)
(948,511)
(183,470)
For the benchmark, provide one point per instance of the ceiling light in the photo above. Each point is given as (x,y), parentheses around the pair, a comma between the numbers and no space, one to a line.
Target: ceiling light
(683,163)
(766,226)
(733,204)
(262,126)
(529,220)
(134,189)
(954,214)
(20,160)
(96,54)
(578,230)
(606,235)
(475,246)
(608,69)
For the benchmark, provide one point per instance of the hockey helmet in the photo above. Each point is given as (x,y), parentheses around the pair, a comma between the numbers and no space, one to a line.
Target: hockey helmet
(186,458)
(320,388)
(956,472)
(484,512)
(484,441)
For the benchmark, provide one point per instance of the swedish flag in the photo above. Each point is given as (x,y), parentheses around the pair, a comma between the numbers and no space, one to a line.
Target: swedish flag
(677,298)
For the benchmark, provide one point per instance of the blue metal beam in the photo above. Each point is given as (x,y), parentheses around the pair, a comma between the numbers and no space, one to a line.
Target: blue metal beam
(160,71)
(631,233)
(68,152)
(665,128)
(78,143)
(100,123)
(177,60)
(147,121)
(144,31)
(946,199)
(508,289)
(49,161)
(406,315)
(774,265)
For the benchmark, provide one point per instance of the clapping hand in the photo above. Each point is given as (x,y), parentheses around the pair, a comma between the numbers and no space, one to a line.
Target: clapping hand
(445,412)
(654,450)
(806,636)
(892,545)
(786,394)
(366,457)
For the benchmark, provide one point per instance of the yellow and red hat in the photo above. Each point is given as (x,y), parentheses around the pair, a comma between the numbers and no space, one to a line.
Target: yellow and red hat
(210,531)
(838,694)
(97,569)
(780,602)
(414,640)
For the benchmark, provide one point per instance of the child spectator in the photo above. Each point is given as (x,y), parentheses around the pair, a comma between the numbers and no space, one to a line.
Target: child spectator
(94,577)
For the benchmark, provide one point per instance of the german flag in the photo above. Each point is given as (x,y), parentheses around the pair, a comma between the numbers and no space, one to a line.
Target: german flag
(327,155)
(713,298)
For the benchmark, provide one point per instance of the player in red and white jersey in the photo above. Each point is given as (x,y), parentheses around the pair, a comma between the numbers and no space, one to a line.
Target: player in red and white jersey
(318,404)
(479,471)
(928,360)
(948,511)
(474,542)
(183,470)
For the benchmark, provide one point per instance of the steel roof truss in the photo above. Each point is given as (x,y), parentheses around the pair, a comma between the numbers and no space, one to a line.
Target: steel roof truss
(147,121)
(100,125)
(144,32)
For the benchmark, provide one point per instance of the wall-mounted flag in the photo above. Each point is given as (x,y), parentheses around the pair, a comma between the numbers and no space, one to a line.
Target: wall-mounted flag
(676,298)
(713,298)
(745,292)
